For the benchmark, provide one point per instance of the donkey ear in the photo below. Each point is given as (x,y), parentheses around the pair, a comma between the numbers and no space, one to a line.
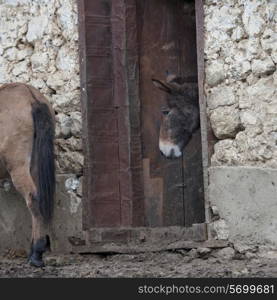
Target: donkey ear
(162,85)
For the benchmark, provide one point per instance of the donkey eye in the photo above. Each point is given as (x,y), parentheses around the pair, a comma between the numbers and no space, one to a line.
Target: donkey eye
(165,111)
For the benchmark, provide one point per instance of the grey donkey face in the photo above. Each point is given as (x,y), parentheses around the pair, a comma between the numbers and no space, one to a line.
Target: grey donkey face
(180,117)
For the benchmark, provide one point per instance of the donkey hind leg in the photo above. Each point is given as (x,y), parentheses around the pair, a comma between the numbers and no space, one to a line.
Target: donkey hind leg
(24,183)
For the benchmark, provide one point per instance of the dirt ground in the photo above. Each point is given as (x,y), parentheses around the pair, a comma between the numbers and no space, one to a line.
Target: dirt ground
(179,263)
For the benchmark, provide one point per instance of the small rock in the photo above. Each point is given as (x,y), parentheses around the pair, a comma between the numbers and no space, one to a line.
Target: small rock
(215,210)
(221,96)
(70,162)
(225,253)
(187,259)
(7,186)
(225,121)
(250,255)
(263,66)
(238,273)
(193,253)
(203,252)
(215,73)
(20,68)
(271,254)
(66,59)
(36,28)
(39,62)
(76,127)
(238,34)
(11,54)
(220,229)
(242,248)
(64,124)
(72,183)
(55,81)
(248,118)
(252,21)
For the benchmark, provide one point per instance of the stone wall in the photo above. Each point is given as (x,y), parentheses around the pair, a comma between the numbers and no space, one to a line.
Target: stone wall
(241,79)
(240,88)
(39,46)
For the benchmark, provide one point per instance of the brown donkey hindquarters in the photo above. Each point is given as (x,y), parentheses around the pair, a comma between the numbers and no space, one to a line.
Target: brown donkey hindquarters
(27,154)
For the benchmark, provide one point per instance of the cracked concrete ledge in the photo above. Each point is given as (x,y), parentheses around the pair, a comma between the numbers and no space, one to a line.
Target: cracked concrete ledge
(245,199)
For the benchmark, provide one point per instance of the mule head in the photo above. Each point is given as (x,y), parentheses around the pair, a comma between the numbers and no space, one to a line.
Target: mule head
(180,116)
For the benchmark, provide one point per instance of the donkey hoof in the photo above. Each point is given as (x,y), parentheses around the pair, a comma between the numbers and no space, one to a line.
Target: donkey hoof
(38,263)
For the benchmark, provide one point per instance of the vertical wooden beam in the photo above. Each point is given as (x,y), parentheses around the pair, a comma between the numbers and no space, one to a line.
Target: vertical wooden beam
(82,60)
(132,69)
(118,22)
(126,96)
(200,38)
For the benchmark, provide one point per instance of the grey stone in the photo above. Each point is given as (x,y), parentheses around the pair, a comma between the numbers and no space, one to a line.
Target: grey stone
(214,210)
(221,96)
(70,162)
(11,54)
(72,183)
(193,253)
(203,252)
(220,229)
(20,67)
(243,248)
(226,153)
(64,124)
(225,121)
(215,73)
(36,28)
(263,66)
(225,253)
(67,18)
(252,21)
(269,41)
(7,186)
(238,33)
(248,118)
(66,59)
(39,61)
(76,127)
(55,81)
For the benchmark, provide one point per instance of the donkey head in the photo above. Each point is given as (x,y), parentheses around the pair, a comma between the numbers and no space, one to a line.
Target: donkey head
(180,116)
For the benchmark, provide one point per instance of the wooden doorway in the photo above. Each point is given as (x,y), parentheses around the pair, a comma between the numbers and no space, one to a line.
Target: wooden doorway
(128,183)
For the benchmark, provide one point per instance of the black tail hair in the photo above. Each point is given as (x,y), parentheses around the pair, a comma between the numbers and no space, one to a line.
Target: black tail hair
(43,161)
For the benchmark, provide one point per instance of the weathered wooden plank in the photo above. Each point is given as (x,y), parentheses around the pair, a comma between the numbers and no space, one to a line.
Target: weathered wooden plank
(109,69)
(84,105)
(206,132)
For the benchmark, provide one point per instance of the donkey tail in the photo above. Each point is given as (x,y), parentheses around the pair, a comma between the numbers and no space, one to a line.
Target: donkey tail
(43,160)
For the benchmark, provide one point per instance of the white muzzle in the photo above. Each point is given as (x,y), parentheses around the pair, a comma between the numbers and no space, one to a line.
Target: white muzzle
(169,150)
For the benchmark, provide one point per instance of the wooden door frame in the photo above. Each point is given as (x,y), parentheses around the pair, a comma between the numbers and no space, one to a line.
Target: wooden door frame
(102,235)
(207,135)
